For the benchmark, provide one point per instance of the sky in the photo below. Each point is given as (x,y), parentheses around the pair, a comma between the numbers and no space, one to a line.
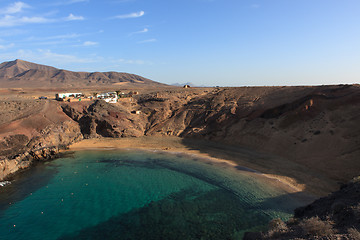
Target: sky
(205,42)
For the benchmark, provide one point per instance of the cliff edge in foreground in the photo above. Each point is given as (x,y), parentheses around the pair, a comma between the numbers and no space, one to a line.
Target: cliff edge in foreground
(336,216)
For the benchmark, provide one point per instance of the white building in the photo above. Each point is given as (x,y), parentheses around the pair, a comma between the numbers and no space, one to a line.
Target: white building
(109,97)
(61,96)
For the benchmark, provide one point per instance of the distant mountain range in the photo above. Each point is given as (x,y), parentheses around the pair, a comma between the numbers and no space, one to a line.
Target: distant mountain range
(23,74)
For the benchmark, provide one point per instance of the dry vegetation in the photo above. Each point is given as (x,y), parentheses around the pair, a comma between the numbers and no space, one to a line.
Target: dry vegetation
(336,216)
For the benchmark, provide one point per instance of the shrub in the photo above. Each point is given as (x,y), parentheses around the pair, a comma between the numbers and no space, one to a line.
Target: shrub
(354,233)
(355,179)
(276,228)
(292,221)
(316,227)
(277,225)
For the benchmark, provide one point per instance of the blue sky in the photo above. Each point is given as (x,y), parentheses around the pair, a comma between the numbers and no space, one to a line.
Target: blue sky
(206,42)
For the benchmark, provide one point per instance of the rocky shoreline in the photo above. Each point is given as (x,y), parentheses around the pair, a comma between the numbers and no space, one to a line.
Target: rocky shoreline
(40,148)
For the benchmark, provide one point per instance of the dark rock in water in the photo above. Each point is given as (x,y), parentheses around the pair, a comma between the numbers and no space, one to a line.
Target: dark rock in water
(183,215)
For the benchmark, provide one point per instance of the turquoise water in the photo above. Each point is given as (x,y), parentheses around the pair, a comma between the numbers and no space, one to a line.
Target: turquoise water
(138,195)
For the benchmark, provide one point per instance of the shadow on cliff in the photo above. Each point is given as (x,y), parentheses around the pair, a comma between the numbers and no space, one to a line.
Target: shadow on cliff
(249,159)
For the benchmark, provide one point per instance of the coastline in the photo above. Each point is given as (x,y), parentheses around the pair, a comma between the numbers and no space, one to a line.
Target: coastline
(176,145)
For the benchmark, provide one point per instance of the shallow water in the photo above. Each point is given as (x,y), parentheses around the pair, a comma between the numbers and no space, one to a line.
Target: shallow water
(138,195)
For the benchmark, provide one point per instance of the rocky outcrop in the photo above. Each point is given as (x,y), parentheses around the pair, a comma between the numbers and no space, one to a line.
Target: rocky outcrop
(102,119)
(25,152)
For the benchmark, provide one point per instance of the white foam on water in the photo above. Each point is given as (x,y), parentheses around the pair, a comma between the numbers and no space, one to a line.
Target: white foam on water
(4,183)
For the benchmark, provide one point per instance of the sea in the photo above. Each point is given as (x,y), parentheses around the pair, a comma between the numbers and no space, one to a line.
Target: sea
(133,194)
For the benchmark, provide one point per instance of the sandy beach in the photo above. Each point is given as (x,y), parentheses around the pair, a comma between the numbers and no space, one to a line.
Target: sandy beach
(242,160)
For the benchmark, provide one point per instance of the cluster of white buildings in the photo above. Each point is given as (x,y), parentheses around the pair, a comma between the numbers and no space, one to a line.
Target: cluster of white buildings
(110,97)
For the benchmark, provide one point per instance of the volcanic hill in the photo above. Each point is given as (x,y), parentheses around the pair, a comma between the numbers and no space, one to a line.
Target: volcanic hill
(23,74)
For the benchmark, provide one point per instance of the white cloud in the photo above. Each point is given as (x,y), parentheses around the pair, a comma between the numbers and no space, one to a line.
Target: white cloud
(145,30)
(10,21)
(35,20)
(65,36)
(51,40)
(48,54)
(90,43)
(76,1)
(68,2)
(131,15)
(14,8)
(72,17)
(5,47)
(121,1)
(148,40)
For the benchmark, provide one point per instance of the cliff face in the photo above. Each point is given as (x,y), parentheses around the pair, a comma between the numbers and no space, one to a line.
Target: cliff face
(22,154)
(36,132)
(101,119)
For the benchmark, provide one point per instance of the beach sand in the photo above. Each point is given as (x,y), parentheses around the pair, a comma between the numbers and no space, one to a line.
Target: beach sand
(241,159)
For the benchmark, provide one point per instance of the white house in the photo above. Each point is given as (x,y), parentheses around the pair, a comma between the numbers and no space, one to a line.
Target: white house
(61,96)
(109,97)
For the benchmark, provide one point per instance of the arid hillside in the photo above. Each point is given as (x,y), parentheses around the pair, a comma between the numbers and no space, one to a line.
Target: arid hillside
(310,134)
(23,74)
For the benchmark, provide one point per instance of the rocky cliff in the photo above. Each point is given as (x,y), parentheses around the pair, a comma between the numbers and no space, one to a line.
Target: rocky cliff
(21,152)
(35,132)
